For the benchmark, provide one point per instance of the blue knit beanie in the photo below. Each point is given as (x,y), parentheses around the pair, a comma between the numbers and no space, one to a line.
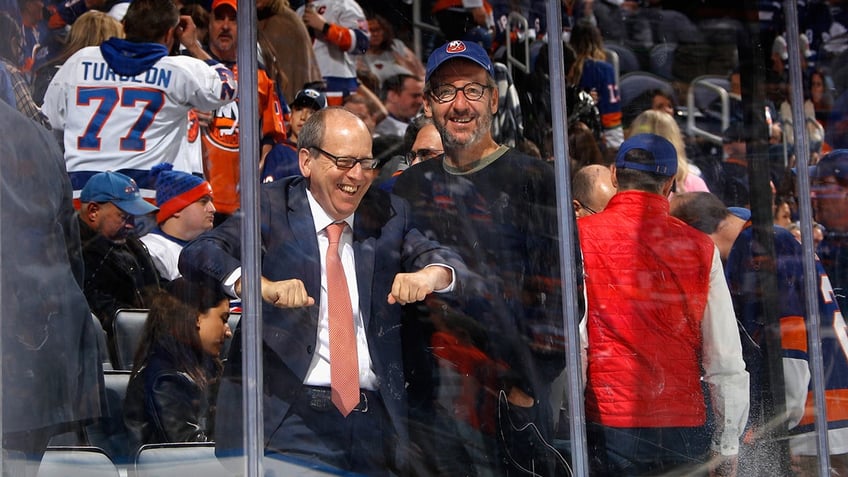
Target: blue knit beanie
(176,189)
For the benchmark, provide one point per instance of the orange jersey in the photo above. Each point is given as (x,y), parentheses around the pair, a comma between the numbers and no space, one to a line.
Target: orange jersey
(221,142)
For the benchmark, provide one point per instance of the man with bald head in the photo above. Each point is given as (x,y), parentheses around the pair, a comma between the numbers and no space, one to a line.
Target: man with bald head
(591,189)
(324,320)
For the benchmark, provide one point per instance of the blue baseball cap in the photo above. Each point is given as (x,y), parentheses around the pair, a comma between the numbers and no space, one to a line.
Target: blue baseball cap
(118,189)
(741,212)
(665,156)
(459,49)
(834,163)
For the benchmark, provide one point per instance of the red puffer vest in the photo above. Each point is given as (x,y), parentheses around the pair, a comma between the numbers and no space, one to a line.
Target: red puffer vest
(647,279)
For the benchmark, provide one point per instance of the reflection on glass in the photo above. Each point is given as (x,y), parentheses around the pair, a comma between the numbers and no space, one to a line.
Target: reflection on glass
(471,378)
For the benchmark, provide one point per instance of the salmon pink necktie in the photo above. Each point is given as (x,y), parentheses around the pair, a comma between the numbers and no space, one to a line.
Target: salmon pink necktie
(344,364)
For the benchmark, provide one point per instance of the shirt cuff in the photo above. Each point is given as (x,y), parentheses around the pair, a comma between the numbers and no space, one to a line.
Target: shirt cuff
(229,283)
(452,285)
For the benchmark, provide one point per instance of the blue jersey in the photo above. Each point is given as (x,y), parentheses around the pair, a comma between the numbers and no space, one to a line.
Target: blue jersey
(742,265)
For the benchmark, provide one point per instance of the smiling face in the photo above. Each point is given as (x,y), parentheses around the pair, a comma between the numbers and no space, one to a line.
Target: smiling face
(337,190)
(213,329)
(461,122)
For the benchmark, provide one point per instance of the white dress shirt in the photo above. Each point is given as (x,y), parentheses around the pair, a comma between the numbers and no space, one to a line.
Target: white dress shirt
(319,369)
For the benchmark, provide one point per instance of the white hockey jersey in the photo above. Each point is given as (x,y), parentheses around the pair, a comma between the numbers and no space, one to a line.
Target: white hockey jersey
(131,122)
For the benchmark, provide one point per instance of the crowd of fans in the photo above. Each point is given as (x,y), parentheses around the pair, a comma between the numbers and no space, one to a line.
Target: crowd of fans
(155,164)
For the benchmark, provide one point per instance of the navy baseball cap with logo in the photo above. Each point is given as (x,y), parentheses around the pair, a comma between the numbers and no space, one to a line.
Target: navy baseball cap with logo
(834,163)
(309,98)
(665,156)
(118,189)
(459,49)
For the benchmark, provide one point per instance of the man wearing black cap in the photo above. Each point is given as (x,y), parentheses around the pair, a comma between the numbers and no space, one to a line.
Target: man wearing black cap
(497,208)
(282,160)
(118,268)
(829,188)
(659,312)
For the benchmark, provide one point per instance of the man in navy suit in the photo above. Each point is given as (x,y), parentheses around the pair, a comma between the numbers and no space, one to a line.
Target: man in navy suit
(387,263)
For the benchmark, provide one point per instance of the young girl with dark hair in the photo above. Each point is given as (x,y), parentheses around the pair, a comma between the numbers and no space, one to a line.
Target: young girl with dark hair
(172,389)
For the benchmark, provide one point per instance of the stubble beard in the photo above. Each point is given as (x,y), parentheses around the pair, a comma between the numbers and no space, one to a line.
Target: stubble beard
(451,142)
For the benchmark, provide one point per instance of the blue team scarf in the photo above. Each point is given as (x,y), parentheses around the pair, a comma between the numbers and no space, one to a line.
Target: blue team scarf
(128,58)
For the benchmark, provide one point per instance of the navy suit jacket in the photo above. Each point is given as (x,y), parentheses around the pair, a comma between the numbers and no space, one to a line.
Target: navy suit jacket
(385,244)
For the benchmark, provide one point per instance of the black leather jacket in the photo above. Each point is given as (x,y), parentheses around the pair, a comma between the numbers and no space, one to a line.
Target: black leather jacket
(164,404)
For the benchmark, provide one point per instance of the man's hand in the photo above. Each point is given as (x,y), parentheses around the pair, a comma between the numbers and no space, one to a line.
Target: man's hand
(186,33)
(204,118)
(284,293)
(412,287)
(313,19)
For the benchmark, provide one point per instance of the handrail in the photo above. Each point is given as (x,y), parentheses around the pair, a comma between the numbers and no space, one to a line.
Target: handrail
(691,128)
(523,26)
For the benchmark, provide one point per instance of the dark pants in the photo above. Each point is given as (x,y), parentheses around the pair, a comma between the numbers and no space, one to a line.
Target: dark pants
(645,451)
(315,431)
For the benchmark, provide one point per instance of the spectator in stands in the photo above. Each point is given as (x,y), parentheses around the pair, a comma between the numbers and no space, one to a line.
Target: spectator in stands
(387,55)
(611,17)
(221,138)
(818,232)
(489,202)
(200,16)
(172,390)
(282,160)
(583,149)
(7,89)
(340,31)
(50,365)
(821,95)
(829,188)
(368,111)
(655,98)
(185,211)
(675,336)
(472,21)
(11,46)
(733,236)
(118,269)
(591,189)
(421,142)
(403,96)
(664,124)
(783,211)
(733,188)
(32,15)
(147,125)
(91,29)
(284,30)
(592,73)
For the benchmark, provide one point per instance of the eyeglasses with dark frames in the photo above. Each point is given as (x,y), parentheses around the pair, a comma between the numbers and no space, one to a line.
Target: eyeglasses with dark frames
(591,211)
(346,162)
(422,155)
(444,93)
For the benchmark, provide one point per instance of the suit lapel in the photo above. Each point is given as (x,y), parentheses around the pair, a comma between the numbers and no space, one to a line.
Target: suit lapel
(303,229)
(364,251)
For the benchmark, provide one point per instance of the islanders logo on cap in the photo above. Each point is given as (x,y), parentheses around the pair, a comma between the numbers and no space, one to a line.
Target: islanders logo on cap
(455,46)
